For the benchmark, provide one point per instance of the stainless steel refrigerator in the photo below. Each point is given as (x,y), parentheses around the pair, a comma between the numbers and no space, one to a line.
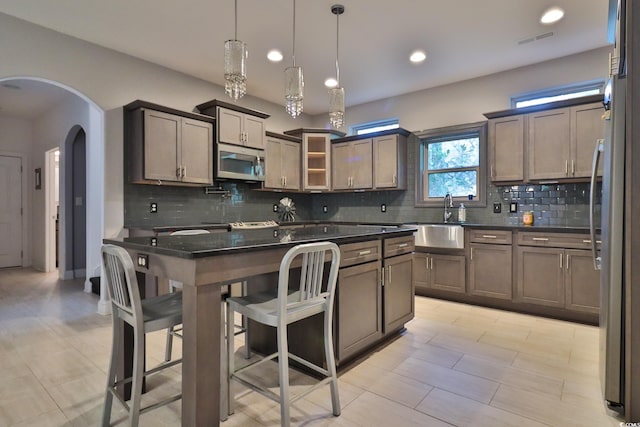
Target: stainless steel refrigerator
(610,258)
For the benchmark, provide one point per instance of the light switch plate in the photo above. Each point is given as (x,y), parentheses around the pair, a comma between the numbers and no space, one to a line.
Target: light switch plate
(325,209)
(275,207)
(153,207)
(383,207)
(497,207)
(513,207)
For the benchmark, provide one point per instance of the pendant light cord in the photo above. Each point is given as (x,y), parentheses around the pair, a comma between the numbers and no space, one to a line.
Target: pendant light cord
(294,33)
(235,34)
(337,47)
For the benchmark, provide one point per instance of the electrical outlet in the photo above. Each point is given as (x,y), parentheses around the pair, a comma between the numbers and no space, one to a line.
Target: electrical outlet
(143,260)
(383,207)
(325,209)
(513,207)
(497,207)
(153,207)
(275,207)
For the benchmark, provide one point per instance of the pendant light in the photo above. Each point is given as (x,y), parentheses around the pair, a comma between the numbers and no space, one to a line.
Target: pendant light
(293,80)
(235,64)
(336,94)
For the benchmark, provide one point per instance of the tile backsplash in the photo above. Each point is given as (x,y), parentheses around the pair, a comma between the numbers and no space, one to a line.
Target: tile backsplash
(552,204)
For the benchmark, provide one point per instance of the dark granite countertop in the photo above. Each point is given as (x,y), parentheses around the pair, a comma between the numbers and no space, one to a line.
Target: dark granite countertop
(204,245)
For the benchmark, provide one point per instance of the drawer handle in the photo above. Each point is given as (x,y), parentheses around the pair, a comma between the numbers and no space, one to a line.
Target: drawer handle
(587,241)
(364,252)
(403,245)
(489,236)
(540,239)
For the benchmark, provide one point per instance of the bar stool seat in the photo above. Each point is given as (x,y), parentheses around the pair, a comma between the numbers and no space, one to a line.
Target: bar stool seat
(144,316)
(314,294)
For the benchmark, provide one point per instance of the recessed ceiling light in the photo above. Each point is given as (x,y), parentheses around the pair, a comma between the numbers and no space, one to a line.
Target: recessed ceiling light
(331,82)
(274,55)
(551,16)
(418,56)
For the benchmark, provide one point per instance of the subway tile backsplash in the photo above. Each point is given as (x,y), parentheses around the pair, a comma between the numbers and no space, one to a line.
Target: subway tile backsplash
(552,204)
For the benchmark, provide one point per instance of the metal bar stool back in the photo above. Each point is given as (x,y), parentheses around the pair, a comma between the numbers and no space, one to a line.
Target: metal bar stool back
(148,315)
(314,294)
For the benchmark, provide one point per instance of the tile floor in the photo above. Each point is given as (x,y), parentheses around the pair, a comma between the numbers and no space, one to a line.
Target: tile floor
(456,365)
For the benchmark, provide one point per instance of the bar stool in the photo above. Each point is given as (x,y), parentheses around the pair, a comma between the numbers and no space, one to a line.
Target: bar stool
(173,286)
(284,306)
(148,315)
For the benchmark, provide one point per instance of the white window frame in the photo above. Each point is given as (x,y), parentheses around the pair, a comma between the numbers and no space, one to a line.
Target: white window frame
(374,126)
(557,93)
(443,134)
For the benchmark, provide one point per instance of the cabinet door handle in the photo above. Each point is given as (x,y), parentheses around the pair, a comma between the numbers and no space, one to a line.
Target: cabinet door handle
(178,172)
(566,167)
(471,254)
(389,277)
(492,174)
(382,277)
(184,171)
(395,179)
(573,167)
(561,261)
(426,262)
(568,264)
(403,245)
(367,252)
(431,261)
(489,236)
(540,239)
(587,241)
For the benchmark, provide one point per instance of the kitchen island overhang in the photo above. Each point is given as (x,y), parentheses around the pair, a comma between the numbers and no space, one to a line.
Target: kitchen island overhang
(203,263)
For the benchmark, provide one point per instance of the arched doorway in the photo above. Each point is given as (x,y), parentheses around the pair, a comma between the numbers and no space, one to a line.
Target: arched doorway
(75,203)
(77,126)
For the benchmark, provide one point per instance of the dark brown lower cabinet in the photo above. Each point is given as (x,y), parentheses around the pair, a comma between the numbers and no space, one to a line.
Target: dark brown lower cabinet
(540,276)
(582,282)
(358,308)
(490,270)
(399,300)
(439,271)
(558,277)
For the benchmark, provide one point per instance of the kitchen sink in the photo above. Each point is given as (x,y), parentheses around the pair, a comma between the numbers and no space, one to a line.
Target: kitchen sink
(448,236)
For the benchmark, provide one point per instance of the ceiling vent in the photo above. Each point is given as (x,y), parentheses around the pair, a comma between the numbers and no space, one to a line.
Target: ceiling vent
(536,38)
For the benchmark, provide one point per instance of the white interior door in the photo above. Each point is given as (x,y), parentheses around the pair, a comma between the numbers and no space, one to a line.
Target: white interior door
(10,211)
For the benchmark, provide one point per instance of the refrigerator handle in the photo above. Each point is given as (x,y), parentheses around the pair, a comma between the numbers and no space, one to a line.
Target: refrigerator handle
(592,202)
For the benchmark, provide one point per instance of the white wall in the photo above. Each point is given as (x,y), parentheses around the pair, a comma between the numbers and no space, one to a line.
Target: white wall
(464,102)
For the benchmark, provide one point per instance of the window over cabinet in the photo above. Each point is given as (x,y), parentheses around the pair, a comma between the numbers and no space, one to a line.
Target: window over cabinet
(561,93)
(375,126)
(451,160)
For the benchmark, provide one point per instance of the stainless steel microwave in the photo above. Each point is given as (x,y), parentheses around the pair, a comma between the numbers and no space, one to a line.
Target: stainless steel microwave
(237,162)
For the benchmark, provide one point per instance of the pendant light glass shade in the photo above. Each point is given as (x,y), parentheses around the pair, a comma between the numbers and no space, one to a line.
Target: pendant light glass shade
(336,95)
(235,64)
(293,80)
(293,90)
(336,107)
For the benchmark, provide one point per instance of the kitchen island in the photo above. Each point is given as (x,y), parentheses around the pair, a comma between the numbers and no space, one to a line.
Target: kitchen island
(204,263)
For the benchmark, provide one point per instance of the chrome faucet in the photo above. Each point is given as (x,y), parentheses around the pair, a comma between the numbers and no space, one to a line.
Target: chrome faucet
(448,204)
